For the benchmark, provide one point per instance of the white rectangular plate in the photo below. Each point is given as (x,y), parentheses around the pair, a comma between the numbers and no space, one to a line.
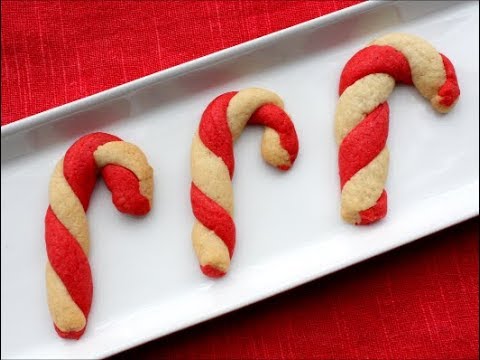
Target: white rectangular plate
(146,278)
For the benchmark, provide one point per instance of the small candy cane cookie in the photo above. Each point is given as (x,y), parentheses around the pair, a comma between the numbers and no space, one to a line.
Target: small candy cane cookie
(361,120)
(130,179)
(212,165)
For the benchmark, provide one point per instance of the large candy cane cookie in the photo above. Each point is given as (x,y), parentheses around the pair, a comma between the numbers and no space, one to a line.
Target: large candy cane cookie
(130,179)
(361,120)
(212,165)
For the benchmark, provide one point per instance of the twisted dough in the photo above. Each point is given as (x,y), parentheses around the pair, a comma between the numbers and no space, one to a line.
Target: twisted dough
(212,165)
(130,179)
(361,120)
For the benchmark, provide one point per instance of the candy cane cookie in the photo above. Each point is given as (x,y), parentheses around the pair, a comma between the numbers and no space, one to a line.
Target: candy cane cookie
(361,119)
(212,165)
(130,179)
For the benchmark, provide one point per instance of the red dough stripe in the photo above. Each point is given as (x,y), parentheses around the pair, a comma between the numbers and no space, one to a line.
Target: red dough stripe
(363,143)
(70,334)
(372,60)
(80,171)
(376,212)
(276,118)
(214,131)
(69,261)
(213,216)
(450,91)
(211,271)
(125,189)
(79,166)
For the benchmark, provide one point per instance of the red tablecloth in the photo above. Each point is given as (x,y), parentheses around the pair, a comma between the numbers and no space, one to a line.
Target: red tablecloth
(418,302)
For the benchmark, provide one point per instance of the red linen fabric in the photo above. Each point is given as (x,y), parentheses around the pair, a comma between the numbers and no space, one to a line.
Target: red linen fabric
(54,52)
(419,302)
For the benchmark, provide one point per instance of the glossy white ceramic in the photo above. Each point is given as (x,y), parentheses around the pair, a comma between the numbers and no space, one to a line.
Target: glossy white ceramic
(146,279)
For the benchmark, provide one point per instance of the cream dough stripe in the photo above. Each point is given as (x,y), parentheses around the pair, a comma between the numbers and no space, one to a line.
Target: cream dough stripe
(426,65)
(67,208)
(210,249)
(364,188)
(359,100)
(214,179)
(65,313)
(244,104)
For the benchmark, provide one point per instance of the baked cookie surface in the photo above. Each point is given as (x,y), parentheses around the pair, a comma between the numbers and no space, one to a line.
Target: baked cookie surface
(129,177)
(362,114)
(212,166)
